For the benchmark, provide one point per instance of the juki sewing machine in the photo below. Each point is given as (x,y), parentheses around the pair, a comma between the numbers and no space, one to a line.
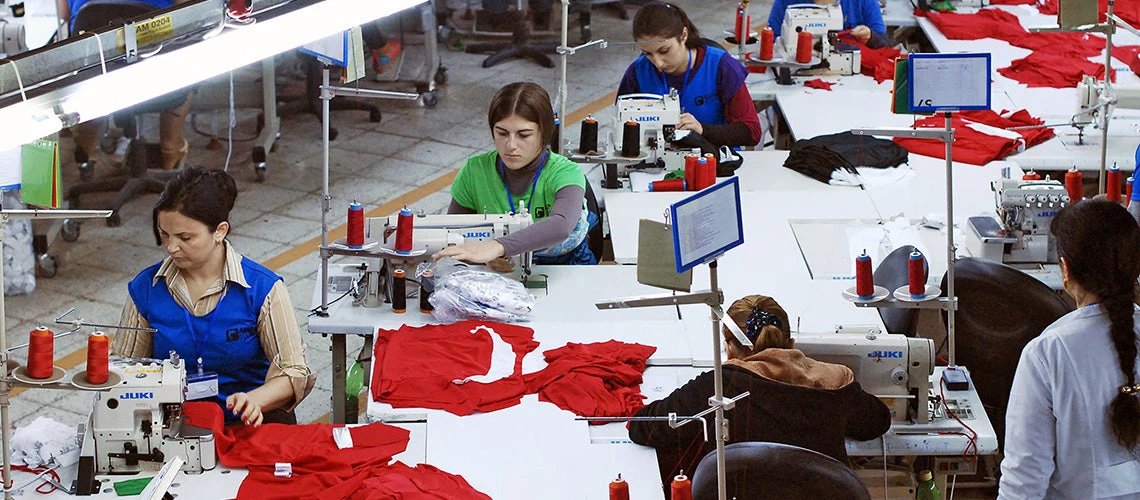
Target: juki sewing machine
(430,234)
(895,368)
(824,22)
(1025,208)
(138,425)
(657,117)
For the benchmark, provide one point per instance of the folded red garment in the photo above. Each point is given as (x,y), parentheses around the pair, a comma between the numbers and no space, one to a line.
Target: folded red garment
(1044,69)
(417,367)
(593,380)
(979,145)
(818,83)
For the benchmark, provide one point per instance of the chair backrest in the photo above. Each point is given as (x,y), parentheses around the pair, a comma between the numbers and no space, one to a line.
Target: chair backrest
(891,274)
(1000,309)
(757,470)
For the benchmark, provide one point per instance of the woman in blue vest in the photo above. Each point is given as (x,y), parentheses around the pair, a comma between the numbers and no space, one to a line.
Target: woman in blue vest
(715,103)
(228,317)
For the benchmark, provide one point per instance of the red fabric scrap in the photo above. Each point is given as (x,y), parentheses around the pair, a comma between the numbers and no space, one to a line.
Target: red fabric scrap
(875,63)
(818,83)
(1043,69)
(1128,54)
(417,367)
(593,380)
(977,147)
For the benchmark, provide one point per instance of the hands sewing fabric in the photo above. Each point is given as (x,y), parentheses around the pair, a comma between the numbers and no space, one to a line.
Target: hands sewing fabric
(861,33)
(479,252)
(688,122)
(240,404)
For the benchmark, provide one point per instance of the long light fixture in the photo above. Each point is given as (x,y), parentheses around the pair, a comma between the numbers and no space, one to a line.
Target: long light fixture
(163,73)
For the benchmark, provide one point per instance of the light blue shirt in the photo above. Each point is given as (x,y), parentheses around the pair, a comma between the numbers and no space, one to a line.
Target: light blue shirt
(1058,441)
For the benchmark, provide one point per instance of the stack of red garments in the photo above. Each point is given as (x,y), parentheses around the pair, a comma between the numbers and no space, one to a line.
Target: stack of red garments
(320,469)
(980,136)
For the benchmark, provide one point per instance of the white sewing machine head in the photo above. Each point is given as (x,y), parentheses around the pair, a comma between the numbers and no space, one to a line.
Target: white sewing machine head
(656,115)
(138,424)
(1025,208)
(813,18)
(893,367)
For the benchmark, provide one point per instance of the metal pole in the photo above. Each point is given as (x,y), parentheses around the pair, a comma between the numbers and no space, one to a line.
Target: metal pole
(718,392)
(562,82)
(1101,182)
(326,97)
(950,237)
(747,31)
(7,436)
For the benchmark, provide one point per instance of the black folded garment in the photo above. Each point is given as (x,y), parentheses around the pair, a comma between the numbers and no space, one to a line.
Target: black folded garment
(819,156)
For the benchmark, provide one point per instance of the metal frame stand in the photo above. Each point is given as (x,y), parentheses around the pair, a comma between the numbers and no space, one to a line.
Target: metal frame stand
(339,353)
(714,298)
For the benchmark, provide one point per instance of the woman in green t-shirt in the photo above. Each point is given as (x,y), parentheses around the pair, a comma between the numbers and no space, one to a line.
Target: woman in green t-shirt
(523,174)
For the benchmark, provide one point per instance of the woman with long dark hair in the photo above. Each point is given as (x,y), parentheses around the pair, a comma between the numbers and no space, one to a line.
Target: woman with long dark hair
(1073,422)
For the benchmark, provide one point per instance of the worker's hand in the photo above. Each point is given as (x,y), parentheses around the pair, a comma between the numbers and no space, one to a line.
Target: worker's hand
(479,252)
(249,412)
(861,33)
(688,122)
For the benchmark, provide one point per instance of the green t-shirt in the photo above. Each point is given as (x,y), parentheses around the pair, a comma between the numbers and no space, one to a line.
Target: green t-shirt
(479,187)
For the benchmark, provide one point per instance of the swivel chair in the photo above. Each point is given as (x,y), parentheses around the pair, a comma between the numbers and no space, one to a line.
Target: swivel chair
(1000,309)
(760,471)
(140,157)
(518,47)
(311,101)
(892,273)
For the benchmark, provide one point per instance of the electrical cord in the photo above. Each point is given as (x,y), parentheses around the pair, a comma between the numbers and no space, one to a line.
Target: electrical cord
(313,311)
(970,453)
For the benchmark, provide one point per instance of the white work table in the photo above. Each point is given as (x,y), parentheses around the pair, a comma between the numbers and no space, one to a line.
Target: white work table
(1051,104)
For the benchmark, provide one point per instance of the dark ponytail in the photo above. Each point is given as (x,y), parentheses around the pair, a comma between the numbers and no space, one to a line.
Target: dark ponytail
(662,21)
(1100,243)
(199,193)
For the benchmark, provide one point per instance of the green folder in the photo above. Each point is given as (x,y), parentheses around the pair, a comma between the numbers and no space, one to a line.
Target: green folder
(40,179)
(900,98)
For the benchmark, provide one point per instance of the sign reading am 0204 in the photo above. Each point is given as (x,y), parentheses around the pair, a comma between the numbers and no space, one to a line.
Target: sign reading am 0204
(153,30)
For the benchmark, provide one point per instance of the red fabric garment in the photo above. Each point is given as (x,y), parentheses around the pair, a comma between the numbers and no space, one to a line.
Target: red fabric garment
(818,83)
(417,367)
(593,380)
(398,481)
(875,63)
(1129,11)
(986,23)
(1081,45)
(1128,54)
(1013,2)
(974,146)
(1044,69)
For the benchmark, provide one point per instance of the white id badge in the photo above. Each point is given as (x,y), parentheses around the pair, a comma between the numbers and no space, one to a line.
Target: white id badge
(201,385)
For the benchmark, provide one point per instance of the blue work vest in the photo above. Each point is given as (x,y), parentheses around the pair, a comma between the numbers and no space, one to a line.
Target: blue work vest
(699,95)
(226,338)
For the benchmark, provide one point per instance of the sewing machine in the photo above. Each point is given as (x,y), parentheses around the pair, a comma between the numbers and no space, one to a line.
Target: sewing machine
(138,425)
(1021,231)
(824,22)
(893,367)
(657,117)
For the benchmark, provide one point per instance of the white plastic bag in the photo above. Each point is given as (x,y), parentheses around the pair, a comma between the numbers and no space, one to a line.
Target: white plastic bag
(464,293)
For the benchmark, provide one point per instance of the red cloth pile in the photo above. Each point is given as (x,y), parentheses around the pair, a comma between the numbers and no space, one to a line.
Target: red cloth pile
(320,469)
(593,380)
(1059,60)
(978,145)
(1128,10)
(418,367)
(818,83)
(875,63)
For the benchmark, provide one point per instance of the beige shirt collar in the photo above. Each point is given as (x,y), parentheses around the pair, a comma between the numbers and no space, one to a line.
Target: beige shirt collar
(232,269)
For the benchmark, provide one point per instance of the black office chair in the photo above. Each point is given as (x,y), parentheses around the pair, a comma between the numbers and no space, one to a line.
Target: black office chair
(518,47)
(760,471)
(892,273)
(140,157)
(1000,309)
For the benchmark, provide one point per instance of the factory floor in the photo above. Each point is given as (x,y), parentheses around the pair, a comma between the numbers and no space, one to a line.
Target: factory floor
(409,157)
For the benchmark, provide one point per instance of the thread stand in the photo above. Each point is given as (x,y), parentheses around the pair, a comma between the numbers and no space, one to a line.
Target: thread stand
(7,383)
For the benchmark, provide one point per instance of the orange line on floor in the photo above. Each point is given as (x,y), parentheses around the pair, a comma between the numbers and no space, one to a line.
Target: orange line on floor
(599,104)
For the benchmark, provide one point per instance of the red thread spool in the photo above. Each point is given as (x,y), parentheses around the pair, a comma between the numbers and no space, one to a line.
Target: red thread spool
(355,237)
(98,349)
(916,266)
(803,48)
(743,25)
(767,43)
(691,172)
(1031,176)
(41,353)
(1112,184)
(682,488)
(667,185)
(619,489)
(404,231)
(1073,185)
(864,280)
(708,174)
